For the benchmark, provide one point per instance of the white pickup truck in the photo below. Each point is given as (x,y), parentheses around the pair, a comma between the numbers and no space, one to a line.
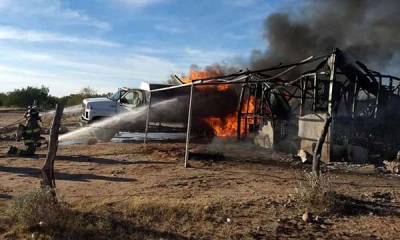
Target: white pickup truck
(124,100)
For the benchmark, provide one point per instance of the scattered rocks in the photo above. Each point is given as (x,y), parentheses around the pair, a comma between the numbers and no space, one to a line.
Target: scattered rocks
(392,166)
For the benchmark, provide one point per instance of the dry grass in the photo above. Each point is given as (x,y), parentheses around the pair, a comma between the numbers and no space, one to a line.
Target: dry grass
(160,210)
(153,218)
(39,212)
(317,195)
(182,217)
(38,205)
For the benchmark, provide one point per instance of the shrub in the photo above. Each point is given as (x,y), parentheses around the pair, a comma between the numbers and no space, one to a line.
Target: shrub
(59,220)
(316,194)
(38,205)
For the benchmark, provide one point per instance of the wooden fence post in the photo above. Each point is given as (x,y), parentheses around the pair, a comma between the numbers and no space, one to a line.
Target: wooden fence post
(48,179)
(318,147)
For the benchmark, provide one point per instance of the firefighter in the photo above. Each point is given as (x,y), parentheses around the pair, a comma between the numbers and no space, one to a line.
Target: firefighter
(29,133)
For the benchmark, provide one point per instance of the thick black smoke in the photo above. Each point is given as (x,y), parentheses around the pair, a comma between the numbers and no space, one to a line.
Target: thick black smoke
(367,29)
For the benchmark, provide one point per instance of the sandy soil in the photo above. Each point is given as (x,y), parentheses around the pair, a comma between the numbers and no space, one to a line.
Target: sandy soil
(259,180)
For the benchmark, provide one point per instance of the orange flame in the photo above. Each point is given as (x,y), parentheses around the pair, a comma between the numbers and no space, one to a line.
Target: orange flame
(227,127)
(222,127)
(196,75)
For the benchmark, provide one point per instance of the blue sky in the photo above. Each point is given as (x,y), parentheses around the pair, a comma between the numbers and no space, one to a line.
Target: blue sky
(106,44)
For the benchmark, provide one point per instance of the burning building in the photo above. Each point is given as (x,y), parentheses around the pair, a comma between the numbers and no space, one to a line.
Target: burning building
(279,109)
(288,114)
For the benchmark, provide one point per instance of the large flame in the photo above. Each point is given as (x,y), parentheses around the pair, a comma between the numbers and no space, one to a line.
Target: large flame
(227,127)
(196,75)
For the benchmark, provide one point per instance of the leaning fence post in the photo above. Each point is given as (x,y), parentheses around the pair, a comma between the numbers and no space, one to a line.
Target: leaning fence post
(189,124)
(48,179)
(318,147)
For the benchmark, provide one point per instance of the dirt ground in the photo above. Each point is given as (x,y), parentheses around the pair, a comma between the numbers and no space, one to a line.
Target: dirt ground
(257,186)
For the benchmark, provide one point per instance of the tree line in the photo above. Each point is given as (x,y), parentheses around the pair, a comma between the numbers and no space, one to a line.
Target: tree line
(21,98)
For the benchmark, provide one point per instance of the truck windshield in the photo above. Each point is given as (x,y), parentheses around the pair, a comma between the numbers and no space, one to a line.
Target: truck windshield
(116,96)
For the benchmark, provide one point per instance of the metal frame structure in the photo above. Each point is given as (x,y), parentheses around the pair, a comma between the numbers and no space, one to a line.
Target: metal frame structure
(324,88)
